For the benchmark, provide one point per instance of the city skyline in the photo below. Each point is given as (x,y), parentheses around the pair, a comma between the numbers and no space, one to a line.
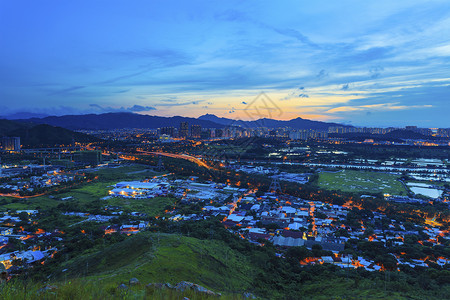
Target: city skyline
(362,64)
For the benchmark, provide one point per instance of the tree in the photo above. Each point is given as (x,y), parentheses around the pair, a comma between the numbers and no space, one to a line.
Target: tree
(299,253)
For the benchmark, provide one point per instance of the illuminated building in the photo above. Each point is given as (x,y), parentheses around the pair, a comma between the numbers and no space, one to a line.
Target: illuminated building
(184,129)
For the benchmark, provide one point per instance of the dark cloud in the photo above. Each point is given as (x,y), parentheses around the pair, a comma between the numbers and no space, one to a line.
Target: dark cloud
(322,74)
(139,108)
(345,87)
(375,72)
(134,108)
(122,91)
(296,94)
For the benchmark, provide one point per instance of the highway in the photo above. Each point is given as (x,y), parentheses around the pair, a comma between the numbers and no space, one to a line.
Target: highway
(193,159)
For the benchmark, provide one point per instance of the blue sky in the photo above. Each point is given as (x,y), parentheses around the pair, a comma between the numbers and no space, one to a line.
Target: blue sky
(373,63)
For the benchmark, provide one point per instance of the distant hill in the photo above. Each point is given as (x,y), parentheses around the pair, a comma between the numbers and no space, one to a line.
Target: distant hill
(6,126)
(297,123)
(130,120)
(42,135)
(407,134)
(119,121)
(393,136)
(24,115)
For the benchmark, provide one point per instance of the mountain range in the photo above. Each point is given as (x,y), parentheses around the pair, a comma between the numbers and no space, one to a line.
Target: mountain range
(297,123)
(42,135)
(130,120)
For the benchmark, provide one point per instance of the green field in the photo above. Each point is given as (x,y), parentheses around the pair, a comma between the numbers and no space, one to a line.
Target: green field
(89,194)
(151,207)
(171,258)
(361,181)
(153,257)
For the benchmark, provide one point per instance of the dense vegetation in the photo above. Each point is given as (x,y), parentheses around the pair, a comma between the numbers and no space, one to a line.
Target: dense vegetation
(206,253)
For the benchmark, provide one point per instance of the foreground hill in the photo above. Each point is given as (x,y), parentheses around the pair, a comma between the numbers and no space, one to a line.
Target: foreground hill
(32,136)
(153,257)
(228,265)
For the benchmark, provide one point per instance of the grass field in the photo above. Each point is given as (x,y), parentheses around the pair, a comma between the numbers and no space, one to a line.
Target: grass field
(171,258)
(152,207)
(361,181)
(84,194)
(153,257)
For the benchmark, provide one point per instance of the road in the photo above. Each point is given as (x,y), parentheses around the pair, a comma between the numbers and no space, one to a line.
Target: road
(193,159)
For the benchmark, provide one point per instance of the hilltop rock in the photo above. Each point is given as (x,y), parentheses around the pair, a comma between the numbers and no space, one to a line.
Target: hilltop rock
(48,288)
(183,286)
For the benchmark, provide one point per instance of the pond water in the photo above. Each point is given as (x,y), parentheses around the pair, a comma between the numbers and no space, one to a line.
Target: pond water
(425,190)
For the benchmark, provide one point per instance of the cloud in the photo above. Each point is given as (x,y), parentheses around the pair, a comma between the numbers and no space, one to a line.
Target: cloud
(376,107)
(173,103)
(345,87)
(232,15)
(322,74)
(298,93)
(375,72)
(67,90)
(297,35)
(372,54)
(134,108)
(139,108)
(122,91)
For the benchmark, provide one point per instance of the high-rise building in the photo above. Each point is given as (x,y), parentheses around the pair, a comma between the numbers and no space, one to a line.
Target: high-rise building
(11,143)
(184,130)
(206,134)
(218,133)
(88,157)
(170,131)
(196,131)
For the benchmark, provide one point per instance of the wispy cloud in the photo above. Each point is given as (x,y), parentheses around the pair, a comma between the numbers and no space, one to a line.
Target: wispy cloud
(375,107)
(67,90)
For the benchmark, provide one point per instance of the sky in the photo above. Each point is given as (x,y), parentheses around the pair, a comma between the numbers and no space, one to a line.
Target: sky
(363,63)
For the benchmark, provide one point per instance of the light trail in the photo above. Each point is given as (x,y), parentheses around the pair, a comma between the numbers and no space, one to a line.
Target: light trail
(193,159)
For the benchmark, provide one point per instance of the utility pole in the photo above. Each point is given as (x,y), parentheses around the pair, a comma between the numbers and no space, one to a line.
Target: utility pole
(275,185)
(160,166)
